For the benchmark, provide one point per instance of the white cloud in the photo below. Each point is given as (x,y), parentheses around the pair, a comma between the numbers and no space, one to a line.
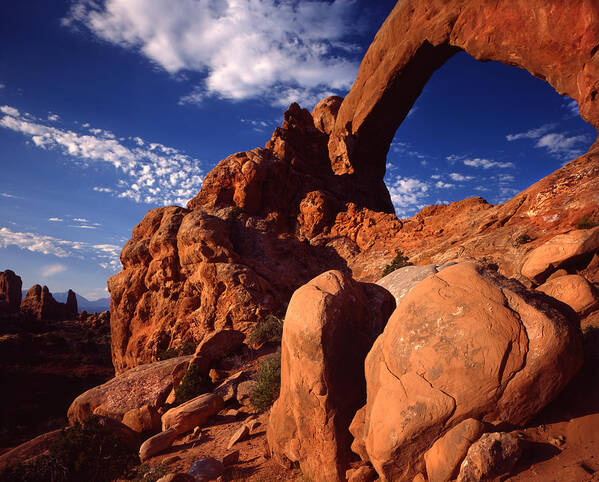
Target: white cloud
(572,107)
(8,110)
(102,189)
(12,196)
(280,50)
(562,145)
(149,173)
(53,117)
(443,185)
(52,270)
(55,220)
(407,194)
(487,164)
(80,220)
(456,176)
(106,255)
(532,133)
(82,226)
(2,86)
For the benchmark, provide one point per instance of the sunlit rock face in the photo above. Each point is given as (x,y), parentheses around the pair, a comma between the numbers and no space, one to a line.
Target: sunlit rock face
(268,220)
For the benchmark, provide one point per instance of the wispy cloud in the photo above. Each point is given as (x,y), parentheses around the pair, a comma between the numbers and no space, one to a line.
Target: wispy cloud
(2,86)
(487,164)
(11,196)
(572,107)
(53,117)
(150,173)
(106,255)
(558,144)
(444,185)
(562,145)
(532,133)
(56,220)
(52,270)
(282,51)
(456,176)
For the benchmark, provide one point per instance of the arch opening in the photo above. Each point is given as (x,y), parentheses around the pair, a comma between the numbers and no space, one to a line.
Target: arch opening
(553,40)
(480,129)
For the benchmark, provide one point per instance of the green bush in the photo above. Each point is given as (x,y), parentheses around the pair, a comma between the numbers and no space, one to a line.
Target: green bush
(522,239)
(585,222)
(187,348)
(193,383)
(398,262)
(87,452)
(268,330)
(268,382)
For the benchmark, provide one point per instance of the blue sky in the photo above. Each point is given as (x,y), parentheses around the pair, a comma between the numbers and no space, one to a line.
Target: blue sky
(109,108)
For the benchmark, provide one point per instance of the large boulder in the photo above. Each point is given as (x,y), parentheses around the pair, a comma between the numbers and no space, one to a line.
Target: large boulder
(144,385)
(402,280)
(329,327)
(575,291)
(10,291)
(541,261)
(463,343)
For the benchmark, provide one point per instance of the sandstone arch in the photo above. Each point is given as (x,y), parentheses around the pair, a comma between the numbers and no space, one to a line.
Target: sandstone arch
(554,40)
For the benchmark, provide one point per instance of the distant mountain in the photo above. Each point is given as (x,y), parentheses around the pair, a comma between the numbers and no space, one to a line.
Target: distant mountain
(91,306)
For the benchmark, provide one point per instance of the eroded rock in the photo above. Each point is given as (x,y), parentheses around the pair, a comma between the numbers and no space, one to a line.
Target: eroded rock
(329,327)
(463,343)
(573,290)
(492,456)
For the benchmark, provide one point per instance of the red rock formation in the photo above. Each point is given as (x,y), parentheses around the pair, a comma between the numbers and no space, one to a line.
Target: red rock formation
(552,39)
(10,291)
(268,220)
(40,304)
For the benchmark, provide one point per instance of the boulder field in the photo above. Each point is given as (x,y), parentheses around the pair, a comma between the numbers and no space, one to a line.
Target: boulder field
(431,372)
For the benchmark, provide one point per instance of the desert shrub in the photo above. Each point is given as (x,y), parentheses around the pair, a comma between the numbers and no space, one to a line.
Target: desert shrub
(585,222)
(86,452)
(268,382)
(193,383)
(187,348)
(146,473)
(522,239)
(268,330)
(398,262)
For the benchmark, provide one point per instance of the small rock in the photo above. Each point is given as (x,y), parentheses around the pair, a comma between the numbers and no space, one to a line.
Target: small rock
(491,457)
(444,457)
(231,458)
(172,459)
(217,376)
(238,436)
(252,425)
(143,419)
(207,468)
(178,477)
(244,390)
(419,478)
(197,432)
(364,473)
(156,444)
(232,413)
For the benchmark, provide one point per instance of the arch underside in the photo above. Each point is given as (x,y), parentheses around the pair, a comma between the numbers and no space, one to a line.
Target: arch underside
(554,40)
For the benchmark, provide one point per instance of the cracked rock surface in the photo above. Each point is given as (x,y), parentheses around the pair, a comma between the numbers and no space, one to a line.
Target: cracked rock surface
(463,343)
